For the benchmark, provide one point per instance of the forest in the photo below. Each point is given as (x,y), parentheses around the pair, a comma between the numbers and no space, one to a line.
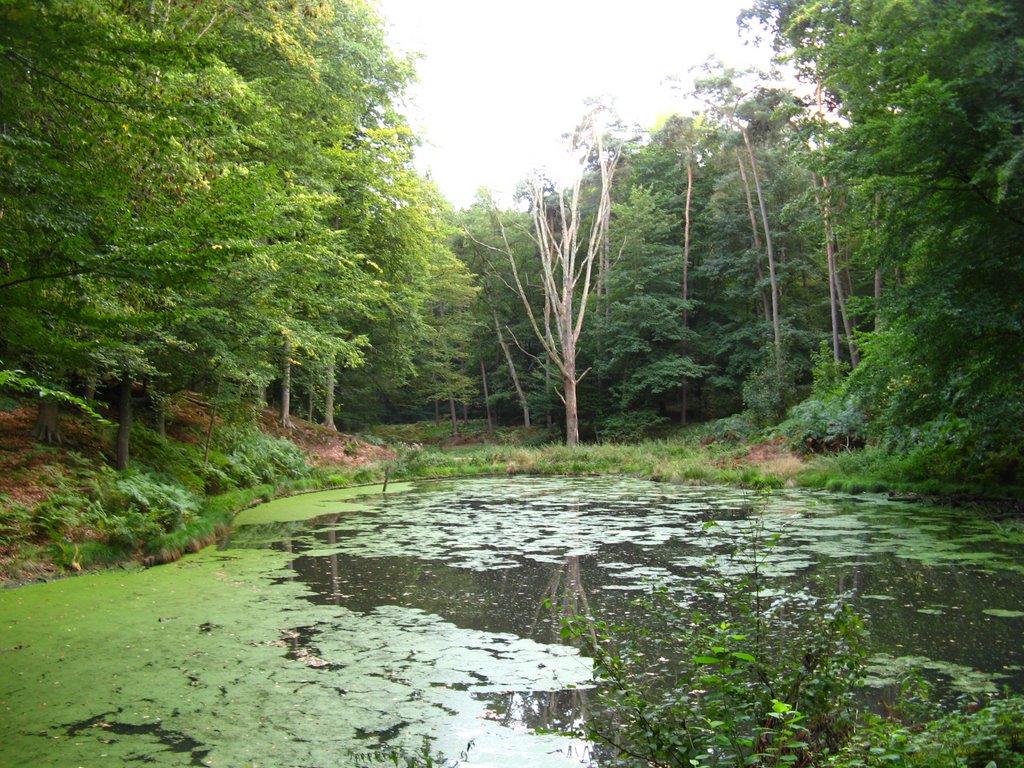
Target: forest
(218,258)
(220,198)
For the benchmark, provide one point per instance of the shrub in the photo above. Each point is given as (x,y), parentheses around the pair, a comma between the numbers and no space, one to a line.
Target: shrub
(67,511)
(252,457)
(181,461)
(631,427)
(125,510)
(769,391)
(986,735)
(823,425)
(155,501)
(15,522)
(737,428)
(760,678)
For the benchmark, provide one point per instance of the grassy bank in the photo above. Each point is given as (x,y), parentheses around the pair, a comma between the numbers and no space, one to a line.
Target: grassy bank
(690,457)
(661,461)
(181,493)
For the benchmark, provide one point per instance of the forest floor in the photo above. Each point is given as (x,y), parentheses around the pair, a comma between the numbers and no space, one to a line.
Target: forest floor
(29,470)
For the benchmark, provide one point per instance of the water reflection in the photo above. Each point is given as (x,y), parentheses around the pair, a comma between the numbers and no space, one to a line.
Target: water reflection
(490,554)
(425,614)
(514,557)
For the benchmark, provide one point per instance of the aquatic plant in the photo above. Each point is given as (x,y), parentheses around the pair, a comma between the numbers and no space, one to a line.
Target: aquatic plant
(733,674)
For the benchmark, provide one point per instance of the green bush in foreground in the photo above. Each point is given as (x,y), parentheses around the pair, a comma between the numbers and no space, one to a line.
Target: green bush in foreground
(730,674)
(989,736)
(727,673)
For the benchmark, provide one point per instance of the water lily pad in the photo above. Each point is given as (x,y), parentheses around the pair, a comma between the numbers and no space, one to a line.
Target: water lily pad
(1002,613)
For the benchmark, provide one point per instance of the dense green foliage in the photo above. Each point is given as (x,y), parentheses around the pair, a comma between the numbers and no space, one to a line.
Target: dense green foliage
(930,160)
(219,198)
(875,209)
(732,675)
(203,195)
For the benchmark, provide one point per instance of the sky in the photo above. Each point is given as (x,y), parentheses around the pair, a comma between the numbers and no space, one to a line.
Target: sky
(501,82)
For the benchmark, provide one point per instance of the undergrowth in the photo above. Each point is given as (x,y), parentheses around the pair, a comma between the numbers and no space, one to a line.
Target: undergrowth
(174,498)
(170,500)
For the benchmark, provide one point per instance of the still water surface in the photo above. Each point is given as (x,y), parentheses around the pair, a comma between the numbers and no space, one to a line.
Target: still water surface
(329,624)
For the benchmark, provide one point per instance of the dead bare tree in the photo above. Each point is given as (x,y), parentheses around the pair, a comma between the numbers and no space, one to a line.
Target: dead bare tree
(567,256)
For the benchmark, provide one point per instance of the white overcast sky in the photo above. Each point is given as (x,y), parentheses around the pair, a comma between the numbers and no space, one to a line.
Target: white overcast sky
(500,82)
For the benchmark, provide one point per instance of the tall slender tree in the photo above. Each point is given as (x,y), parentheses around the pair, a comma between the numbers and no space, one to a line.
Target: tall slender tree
(567,251)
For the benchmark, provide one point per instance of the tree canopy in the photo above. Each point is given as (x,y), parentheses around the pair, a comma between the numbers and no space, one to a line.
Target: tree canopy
(221,197)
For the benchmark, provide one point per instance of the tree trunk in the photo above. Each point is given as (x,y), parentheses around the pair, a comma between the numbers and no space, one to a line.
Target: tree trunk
(160,420)
(520,394)
(285,417)
(605,267)
(686,272)
(47,427)
(465,404)
(833,299)
(210,427)
(124,418)
(756,235)
(454,416)
(487,398)
(840,298)
(572,420)
(91,382)
(569,381)
(772,277)
(329,396)
(548,420)
(686,241)
(830,257)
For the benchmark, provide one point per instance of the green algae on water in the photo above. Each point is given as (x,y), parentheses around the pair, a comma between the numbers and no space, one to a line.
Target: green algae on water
(212,658)
(335,622)
(306,506)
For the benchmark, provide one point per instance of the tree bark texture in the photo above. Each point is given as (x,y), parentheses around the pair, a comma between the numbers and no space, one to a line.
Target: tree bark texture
(830,259)
(47,427)
(686,271)
(520,394)
(756,235)
(454,416)
(286,384)
(769,248)
(487,398)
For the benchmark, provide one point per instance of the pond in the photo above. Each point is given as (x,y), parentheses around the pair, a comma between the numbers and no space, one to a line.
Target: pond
(332,623)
